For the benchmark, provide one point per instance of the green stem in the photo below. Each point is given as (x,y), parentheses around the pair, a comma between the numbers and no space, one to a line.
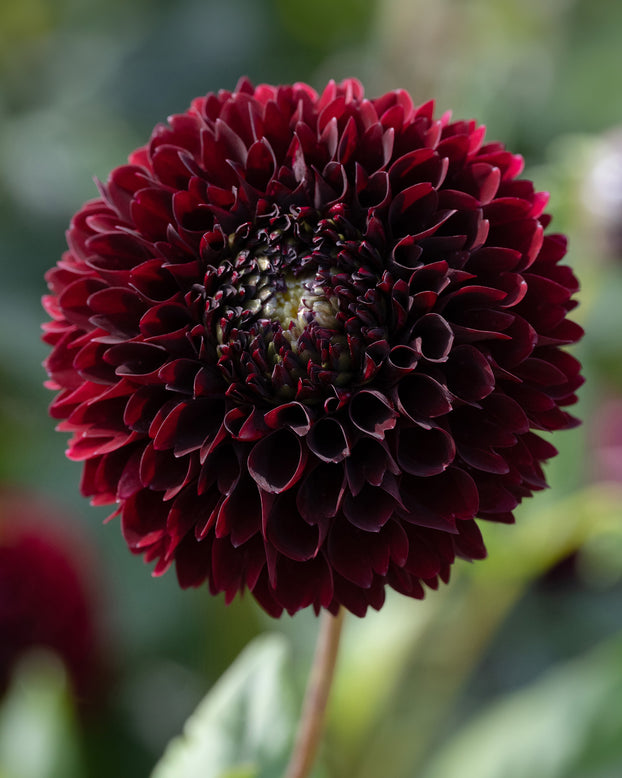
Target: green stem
(316,697)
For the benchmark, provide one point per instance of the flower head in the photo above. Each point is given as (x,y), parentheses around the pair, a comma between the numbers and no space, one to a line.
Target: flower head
(45,596)
(304,341)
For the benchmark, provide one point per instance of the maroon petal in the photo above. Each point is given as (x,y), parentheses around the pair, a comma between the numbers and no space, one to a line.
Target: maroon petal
(427,551)
(233,568)
(240,513)
(189,426)
(294,415)
(437,501)
(277,461)
(320,493)
(348,554)
(484,459)
(469,375)
(421,398)
(370,509)
(425,452)
(300,584)
(372,413)
(327,440)
(469,543)
(288,532)
(433,337)
(143,520)
(162,471)
(402,360)
(368,463)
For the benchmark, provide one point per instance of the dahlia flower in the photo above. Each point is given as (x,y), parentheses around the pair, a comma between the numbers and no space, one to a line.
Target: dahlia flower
(303,341)
(45,597)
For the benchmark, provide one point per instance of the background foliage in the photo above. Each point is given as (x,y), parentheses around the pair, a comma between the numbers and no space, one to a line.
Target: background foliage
(515,669)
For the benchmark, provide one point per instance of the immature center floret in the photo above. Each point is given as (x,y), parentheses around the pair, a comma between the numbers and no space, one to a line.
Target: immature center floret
(297,301)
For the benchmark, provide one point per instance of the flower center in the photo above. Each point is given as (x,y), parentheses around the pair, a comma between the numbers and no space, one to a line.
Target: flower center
(289,309)
(297,301)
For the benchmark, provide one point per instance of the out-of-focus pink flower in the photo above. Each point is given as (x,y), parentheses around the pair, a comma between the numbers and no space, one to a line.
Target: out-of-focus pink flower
(606,441)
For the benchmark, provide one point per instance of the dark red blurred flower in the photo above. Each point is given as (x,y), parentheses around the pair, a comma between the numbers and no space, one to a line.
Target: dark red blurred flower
(303,341)
(45,595)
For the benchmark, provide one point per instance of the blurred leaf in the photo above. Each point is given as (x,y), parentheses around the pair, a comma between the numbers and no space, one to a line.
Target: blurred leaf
(604,324)
(388,636)
(21,24)
(456,625)
(545,536)
(324,24)
(600,560)
(37,731)
(240,772)
(566,725)
(244,727)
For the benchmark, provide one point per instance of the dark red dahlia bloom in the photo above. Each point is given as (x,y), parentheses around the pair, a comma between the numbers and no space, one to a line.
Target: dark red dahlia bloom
(45,596)
(304,341)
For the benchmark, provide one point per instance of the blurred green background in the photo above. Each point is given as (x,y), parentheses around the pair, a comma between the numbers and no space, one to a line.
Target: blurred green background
(513,670)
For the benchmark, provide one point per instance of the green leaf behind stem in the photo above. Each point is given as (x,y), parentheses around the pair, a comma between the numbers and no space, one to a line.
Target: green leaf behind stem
(244,727)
